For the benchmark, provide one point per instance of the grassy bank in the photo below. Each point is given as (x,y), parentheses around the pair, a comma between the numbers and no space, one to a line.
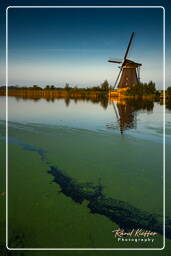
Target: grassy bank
(53,93)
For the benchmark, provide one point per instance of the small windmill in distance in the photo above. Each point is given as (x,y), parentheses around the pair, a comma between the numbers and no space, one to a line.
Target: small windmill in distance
(129,74)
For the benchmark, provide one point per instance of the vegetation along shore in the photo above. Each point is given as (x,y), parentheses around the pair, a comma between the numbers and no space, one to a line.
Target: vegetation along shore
(141,90)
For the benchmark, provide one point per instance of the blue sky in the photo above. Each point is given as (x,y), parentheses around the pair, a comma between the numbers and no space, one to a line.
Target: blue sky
(55,46)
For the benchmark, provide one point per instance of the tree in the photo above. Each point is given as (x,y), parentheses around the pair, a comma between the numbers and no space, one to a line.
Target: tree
(52,87)
(169,91)
(35,87)
(75,88)
(142,89)
(151,88)
(67,87)
(105,86)
(47,87)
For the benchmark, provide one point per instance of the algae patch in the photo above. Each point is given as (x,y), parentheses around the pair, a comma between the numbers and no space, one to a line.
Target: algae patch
(120,212)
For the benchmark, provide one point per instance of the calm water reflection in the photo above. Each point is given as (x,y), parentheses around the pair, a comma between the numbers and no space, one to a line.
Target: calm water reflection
(126,112)
(125,116)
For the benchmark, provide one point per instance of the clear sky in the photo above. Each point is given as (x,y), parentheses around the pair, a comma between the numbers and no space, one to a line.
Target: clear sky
(55,46)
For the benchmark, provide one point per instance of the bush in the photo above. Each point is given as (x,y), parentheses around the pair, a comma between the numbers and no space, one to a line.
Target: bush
(142,89)
(168,91)
(105,86)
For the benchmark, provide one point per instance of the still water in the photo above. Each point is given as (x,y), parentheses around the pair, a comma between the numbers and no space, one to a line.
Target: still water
(86,167)
(136,118)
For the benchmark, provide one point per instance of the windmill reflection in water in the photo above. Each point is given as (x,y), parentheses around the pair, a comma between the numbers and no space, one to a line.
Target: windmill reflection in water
(125,115)
(126,111)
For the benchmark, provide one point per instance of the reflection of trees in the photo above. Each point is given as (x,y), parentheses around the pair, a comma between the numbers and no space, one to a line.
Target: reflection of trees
(67,101)
(96,95)
(50,99)
(138,104)
(168,104)
(95,99)
(75,100)
(104,102)
(36,99)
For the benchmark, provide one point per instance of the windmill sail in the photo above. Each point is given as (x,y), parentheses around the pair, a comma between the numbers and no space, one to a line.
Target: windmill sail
(115,60)
(129,45)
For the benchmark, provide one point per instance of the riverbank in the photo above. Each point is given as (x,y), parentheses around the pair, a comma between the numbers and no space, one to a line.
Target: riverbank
(45,93)
(81,93)
(123,95)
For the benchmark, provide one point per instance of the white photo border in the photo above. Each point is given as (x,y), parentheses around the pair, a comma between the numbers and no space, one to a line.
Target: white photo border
(71,249)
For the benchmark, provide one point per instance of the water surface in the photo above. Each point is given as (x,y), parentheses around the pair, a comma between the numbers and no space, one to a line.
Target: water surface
(116,145)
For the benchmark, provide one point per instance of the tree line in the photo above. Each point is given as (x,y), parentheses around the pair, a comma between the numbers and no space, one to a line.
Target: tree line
(102,87)
(136,90)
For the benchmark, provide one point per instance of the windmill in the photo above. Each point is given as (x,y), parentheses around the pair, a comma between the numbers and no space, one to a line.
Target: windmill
(129,74)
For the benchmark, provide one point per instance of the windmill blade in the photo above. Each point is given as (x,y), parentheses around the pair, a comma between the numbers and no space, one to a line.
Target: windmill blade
(116,110)
(115,60)
(127,50)
(118,77)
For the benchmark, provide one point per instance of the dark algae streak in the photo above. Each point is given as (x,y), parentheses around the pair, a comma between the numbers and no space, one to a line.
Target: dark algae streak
(120,212)
(78,192)
(25,146)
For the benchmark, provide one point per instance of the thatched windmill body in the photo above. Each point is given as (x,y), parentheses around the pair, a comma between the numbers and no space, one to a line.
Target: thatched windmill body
(129,74)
